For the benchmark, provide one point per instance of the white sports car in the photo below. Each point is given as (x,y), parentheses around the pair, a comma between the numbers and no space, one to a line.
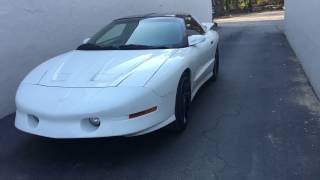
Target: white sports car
(136,75)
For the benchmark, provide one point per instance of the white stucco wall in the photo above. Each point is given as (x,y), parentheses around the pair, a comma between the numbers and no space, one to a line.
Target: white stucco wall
(303,32)
(31,31)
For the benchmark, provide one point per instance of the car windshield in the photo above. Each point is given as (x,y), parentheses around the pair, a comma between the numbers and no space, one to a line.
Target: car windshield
(132,34)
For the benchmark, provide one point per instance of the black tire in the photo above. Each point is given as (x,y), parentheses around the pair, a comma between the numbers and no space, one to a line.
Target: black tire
(183,101)
(216,66)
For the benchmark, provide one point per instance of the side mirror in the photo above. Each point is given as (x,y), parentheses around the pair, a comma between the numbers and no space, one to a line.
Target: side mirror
(210,26)
(215,26)
(85,41)
(196,39)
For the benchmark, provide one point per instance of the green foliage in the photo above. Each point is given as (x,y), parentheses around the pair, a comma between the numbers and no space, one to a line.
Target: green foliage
(227,6)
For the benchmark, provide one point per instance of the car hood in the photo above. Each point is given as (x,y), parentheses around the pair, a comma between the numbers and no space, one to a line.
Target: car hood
(99,68)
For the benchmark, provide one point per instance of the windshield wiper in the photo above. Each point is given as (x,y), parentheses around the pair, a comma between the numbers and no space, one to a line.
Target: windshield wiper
(93,47)
(138,46)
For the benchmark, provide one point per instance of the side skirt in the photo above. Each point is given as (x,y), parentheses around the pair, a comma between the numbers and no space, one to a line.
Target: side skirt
(195,91)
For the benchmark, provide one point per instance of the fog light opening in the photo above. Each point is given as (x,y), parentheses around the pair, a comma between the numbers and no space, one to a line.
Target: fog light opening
(95,122)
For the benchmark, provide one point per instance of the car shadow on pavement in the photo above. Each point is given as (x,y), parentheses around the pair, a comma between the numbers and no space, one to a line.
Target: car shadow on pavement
(98,151)
(35,156)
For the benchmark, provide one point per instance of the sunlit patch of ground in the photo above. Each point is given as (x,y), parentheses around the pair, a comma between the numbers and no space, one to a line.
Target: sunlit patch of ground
(253,17)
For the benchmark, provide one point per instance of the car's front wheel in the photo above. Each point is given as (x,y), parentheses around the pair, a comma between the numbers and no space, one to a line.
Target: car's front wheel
(183,101)
(215,70)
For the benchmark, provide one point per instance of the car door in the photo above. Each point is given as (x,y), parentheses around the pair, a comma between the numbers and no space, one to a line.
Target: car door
(210,48)
(202,55)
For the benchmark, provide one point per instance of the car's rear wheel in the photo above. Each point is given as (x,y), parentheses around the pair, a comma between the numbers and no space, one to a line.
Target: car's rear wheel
(215,70)
(183,101)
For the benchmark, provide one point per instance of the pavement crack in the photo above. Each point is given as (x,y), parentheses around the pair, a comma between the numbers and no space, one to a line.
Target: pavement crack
(208,134)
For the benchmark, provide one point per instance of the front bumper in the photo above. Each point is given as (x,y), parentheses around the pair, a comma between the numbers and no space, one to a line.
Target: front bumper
(63,112)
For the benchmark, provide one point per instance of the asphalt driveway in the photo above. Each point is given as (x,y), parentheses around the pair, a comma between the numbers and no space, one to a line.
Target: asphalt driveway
(259,121)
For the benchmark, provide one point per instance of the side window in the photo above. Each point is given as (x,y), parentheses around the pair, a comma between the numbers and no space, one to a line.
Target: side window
(112,34)
(193,27)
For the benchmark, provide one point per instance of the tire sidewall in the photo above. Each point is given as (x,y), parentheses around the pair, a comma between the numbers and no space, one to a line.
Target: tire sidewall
(182,118)
(216,65)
